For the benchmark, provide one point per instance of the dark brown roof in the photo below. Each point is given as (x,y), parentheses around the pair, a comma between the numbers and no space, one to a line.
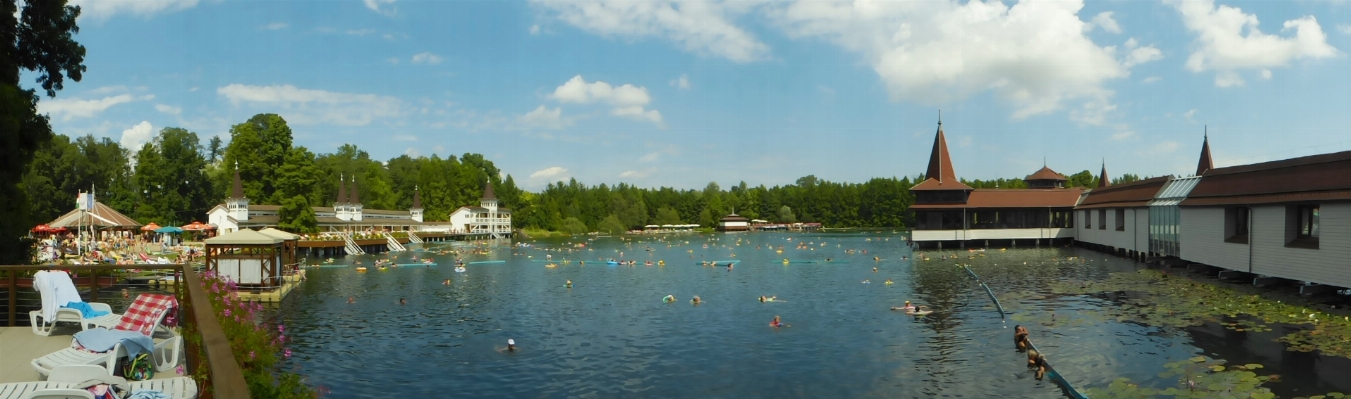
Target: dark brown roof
(101,215)
(1103,181)
(322,208)
(269,220)
(1317,177)
(488,193)
(417,199)
(1014,198)
(934,184)
(237,188)
(734,218)
(940,164)
(1045,173)
(1205,164)
(383,212)
(1128,195)
(264,207)
(356,199)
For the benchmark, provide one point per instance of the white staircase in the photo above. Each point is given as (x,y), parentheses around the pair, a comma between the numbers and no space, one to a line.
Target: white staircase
(413,238)
(394,244)
(352,247)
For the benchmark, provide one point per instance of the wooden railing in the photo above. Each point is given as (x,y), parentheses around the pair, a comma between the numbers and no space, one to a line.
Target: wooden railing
(225,380)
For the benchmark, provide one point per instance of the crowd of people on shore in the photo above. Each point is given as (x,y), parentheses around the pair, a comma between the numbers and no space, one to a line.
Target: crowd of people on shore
(111,247)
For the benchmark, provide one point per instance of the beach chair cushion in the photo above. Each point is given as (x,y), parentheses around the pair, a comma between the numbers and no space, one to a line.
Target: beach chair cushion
(146,313)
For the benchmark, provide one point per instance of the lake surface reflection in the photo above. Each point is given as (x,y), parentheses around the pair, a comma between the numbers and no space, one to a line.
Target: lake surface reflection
(611,335)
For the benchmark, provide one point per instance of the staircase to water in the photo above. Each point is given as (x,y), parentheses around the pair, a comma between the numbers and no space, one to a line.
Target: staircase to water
(351,245)
(394,244)
(413,238)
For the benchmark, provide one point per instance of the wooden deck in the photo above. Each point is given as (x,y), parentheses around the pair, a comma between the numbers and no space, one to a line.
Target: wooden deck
(19,346)
(277,294)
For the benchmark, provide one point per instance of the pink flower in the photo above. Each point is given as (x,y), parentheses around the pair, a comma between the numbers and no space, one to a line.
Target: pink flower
(281,328)
(287,353)
(227,312)
(250,355)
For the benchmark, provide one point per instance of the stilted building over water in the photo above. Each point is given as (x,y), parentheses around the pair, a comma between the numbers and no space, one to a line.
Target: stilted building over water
(1116,218)
(949,213)
(346,214)
(487,218)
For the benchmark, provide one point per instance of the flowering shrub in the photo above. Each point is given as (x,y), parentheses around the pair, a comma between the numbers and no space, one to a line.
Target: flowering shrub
(258,346)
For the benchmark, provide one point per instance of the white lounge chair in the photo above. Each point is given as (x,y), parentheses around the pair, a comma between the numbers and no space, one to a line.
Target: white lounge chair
(56,290)
(145,315)
(65,379)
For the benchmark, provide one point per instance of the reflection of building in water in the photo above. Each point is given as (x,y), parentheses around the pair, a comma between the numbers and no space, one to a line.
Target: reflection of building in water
(486,218)
(946,211)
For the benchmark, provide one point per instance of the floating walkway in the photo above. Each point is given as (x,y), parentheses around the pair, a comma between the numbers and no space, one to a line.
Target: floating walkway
(275,295)
(484,262)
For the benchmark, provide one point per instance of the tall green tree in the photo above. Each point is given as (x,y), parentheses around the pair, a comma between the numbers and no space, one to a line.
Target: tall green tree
(258,147)
(612,225)
(40,40)
(170,173)
(213,150)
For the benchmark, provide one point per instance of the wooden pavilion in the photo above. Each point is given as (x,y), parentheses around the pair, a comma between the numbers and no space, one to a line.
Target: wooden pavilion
(247,257)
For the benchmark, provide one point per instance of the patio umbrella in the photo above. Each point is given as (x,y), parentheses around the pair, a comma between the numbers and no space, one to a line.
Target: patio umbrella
(169,230)
(150,227)
(197,226)
(42,228)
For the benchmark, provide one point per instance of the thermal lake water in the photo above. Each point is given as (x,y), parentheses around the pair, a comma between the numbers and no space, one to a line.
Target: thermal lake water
(611,335)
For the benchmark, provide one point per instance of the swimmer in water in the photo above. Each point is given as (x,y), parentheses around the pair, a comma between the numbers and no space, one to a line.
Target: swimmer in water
(908,308)
(668,299)
(874,269)
(1020,337)
(776,323)
(1037,361)
(511,345)
(403,301)
(351,299)
(762,298)
(696,300)
(569,285)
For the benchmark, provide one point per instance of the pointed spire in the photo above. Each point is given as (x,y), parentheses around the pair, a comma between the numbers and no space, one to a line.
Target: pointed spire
(1205,164)
(355,200)
(342,190)
(1103,181)
(488,191)
(940,165)
(417,199)
(237,188)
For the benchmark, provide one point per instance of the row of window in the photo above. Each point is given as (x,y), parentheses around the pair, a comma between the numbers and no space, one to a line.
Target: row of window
(1102,219)
(1301,225)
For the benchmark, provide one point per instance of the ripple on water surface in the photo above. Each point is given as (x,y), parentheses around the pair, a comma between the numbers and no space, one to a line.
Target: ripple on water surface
(610,335)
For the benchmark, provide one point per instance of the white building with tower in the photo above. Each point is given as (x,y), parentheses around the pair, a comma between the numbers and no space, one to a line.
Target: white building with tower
(487,218)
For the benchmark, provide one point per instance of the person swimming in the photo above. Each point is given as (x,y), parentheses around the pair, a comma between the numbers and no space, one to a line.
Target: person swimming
(908,308)
(776,323)
(668,298)
(569,284)
(1037,361)
(351,299)
(1020,337)
(874,269)
(403,301)
(511,345)
(696,300)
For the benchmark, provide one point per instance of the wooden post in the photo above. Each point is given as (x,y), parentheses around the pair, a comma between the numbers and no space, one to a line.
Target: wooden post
(13,296)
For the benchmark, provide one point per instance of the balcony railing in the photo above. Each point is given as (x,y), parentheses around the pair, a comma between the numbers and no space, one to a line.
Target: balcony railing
(224,379)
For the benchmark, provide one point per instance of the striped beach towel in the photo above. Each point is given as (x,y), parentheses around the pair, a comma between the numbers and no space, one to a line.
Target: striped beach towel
(146,312)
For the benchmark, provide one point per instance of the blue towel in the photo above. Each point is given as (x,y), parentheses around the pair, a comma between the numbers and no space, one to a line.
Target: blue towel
(85,309)
(103,340)
(149,394)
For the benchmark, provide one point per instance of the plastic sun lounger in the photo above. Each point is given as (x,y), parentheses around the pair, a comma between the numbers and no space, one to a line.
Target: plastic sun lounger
(43,327)
(65,379)
(165,352)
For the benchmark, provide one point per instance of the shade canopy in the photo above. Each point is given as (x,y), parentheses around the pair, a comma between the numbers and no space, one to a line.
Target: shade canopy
(197,226)
(169,230)
(243,237)
(99,216)
(150,227)
(271,232)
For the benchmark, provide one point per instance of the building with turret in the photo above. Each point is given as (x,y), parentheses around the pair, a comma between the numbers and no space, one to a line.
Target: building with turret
(346,214)
(486,218)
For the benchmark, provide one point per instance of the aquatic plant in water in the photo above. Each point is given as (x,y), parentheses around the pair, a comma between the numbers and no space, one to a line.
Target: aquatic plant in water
(1156,299)
(1201,377)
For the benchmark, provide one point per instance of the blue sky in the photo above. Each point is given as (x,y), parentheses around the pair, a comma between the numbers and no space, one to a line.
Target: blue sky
(682,93)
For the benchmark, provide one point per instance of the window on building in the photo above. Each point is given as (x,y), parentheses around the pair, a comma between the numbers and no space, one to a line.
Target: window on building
(1120,220)
(1236,225)
(1088,219)
(1302,226)
(1102,219)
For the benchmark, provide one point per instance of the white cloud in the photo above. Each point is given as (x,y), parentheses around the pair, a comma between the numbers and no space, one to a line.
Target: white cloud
(412,152)
(965,142)
(701,27)
(1189,114)
(426,58)
(1151,79)
(1104,20)
(1228,41)
(361,32)
(1122,135)
(276,26)
(628,100)
(1033,54)
(136,136)
(543,117)
(1139,55)
(168,109)
(311,107)
(549,174)
(1166,147)
(379,6)
(637,174)
(104,9)
(682,82)
(403,137)
(1266,74)
(393,61)
(1345,28)
(534,29)
(71,108)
